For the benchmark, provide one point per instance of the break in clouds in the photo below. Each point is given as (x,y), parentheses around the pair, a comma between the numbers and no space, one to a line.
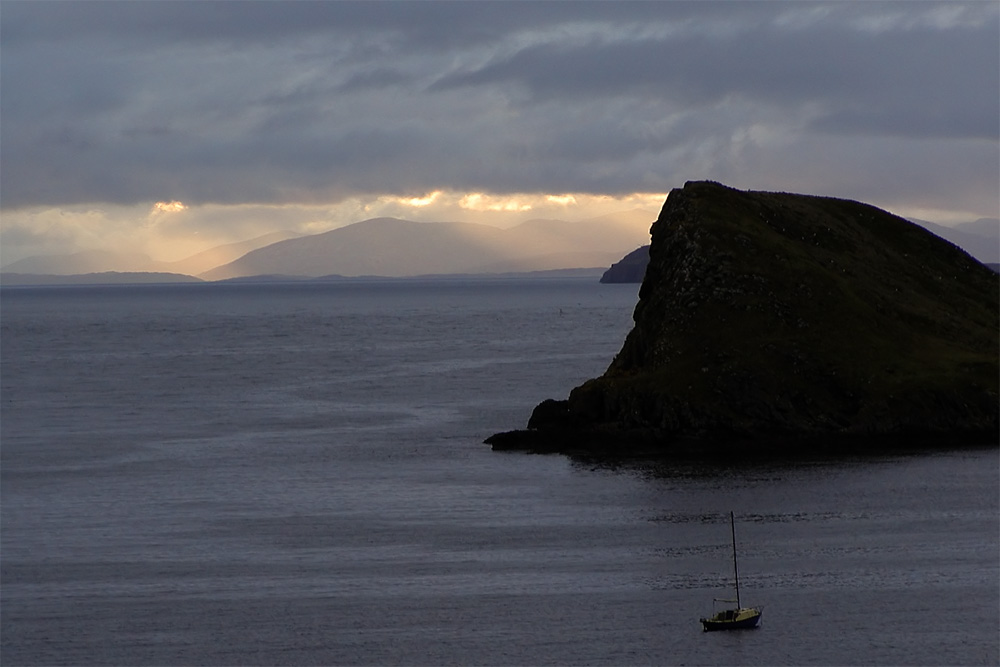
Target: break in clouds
(334,107)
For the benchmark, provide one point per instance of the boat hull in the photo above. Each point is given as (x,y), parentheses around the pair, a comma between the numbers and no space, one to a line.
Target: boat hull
(733,619)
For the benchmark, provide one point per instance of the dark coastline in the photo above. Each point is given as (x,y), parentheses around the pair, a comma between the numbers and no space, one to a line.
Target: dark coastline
(618,445)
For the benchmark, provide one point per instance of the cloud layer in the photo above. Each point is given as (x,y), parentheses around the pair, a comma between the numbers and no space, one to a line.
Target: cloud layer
(315,103)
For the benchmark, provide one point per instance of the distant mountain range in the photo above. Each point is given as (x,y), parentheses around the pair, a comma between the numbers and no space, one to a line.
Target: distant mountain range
(980,238)
(385,247)
(390,247)
(394,248)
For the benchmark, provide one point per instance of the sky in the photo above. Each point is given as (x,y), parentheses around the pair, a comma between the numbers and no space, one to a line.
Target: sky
(171,127)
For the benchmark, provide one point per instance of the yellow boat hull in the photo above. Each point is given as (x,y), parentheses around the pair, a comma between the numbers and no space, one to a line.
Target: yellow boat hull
(733,619)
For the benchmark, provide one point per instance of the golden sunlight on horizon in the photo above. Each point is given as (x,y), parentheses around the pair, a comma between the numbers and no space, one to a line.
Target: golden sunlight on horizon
(420,202)
(569,203)
(171,230)
(169,207)
(561,199)
(479,201)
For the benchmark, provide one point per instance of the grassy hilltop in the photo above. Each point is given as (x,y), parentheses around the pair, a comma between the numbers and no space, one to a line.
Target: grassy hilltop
(779,320)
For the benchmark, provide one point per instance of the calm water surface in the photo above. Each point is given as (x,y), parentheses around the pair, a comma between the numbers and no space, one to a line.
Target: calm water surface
(294,474)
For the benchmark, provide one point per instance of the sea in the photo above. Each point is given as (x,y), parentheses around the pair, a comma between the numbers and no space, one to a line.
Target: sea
(295,474)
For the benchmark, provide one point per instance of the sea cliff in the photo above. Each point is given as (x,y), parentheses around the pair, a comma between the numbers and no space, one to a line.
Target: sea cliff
(785,322)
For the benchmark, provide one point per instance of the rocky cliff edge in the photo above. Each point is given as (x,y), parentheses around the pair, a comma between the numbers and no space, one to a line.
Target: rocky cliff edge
(776,322)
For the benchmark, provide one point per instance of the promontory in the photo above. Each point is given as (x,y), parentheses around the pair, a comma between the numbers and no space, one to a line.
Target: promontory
(788,323)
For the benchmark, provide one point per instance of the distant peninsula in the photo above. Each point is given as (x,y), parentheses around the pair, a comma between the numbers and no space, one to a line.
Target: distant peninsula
(629,269)
(99,278)
(788,323)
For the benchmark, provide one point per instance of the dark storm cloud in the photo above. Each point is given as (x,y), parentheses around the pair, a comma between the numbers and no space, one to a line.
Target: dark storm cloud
(925,81)
(430,26)
(314,101)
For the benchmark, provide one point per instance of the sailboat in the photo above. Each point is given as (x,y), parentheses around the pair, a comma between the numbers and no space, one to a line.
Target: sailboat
(741,617)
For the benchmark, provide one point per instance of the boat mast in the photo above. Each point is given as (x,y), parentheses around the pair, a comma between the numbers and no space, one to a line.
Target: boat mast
(736,568)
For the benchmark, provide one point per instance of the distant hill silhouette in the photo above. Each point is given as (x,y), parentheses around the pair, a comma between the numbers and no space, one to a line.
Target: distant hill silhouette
(100,278)
(223,254)
(980,238)
(103,261)
(394,248)
(87,261)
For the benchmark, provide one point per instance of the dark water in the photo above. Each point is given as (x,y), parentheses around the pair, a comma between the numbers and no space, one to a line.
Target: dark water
(293,474)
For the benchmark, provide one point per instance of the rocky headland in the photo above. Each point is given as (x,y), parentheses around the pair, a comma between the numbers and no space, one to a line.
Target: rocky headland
(786,323)
(629,269)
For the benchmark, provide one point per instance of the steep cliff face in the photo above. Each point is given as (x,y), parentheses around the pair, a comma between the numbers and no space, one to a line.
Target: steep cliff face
(784,320)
